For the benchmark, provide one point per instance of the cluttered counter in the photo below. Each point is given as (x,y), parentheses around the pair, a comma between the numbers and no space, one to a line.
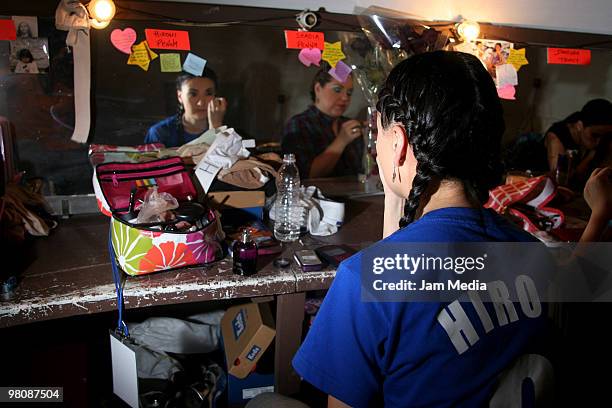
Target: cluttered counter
(70,270)
(70,275)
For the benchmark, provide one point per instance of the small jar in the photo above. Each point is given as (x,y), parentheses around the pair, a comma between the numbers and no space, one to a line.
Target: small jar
(245,255)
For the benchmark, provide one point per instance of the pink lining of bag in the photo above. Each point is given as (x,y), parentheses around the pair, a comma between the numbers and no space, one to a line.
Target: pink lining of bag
(116,180)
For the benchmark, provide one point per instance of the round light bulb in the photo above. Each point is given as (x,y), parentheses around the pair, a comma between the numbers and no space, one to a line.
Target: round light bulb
(469,30)
(102,10)
(98,24)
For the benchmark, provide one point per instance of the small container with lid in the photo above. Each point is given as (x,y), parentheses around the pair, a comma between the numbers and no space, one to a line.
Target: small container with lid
(245,255)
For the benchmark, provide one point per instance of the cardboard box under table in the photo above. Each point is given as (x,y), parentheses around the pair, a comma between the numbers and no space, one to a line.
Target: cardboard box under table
(248,330)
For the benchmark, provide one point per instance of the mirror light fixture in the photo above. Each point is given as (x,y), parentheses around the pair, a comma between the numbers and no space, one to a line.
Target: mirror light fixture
(307,19)
(101,12)
(468,30)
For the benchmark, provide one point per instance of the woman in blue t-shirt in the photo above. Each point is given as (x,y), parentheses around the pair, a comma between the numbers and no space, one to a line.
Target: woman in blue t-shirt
(198,111)
(440,128)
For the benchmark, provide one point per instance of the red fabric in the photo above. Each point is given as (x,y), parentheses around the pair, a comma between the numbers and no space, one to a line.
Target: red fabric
(526,200)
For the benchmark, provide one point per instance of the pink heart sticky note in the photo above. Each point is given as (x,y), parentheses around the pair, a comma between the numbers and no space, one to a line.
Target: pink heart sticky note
(506,92)
(309,56)
(123,39)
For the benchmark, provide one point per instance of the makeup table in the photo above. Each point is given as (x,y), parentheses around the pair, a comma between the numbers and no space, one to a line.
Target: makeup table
(70,275)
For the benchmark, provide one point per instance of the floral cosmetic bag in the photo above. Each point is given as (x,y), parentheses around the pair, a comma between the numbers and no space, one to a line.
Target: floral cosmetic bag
(145,248)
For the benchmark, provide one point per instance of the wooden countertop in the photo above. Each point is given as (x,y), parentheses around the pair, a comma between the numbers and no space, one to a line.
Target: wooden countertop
(70,273)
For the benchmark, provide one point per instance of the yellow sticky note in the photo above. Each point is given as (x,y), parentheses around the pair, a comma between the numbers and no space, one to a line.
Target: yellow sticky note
(140,56)
(170,62)
(517,58)
(332,53)
(152,55)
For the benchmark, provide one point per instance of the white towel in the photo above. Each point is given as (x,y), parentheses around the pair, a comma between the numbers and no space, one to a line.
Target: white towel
(323,217)
(72,16)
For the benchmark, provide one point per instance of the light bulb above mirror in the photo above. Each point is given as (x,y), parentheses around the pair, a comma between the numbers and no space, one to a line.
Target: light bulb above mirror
(98,24)
(468,30)
(101,12)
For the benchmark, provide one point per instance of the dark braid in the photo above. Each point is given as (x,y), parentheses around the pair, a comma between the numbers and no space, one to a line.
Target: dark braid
(448,105)
(419,187)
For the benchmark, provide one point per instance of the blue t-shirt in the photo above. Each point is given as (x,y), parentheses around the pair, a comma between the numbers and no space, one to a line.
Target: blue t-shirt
(167,133)
(398,354)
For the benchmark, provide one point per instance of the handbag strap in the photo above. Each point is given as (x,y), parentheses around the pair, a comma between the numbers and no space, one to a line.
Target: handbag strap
(121,326)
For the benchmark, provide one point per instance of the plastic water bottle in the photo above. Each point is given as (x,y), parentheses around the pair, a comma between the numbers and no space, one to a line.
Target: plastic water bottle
(288,210)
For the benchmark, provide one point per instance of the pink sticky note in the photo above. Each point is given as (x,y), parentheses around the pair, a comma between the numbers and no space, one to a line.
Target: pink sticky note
(340,72)
(7,30)
(123,39)
(506,92)
(309,56)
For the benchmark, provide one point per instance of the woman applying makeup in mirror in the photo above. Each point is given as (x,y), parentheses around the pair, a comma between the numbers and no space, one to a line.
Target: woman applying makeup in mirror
(198,111)
(324,142)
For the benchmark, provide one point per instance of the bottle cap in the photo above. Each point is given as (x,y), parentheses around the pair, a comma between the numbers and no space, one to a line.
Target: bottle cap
(289,158)
(246,235)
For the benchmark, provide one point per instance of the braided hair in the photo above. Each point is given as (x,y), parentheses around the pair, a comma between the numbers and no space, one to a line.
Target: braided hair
(448,105)
(180,80)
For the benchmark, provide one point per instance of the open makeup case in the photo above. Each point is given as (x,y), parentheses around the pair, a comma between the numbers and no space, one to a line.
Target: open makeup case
(142,248)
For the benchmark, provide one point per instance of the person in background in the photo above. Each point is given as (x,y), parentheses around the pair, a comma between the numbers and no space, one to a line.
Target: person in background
(598,196)
(440,128)
(26,63)
(324,142)
(198,110)
(581,131)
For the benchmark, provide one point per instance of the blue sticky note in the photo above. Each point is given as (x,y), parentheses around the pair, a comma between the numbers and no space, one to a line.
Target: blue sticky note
(194,64)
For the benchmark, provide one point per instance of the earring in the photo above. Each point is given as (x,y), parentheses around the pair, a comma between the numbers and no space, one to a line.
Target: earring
(394,168)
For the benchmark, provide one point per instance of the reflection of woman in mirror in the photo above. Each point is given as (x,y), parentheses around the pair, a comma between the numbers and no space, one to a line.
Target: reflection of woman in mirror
(324,142)
(24,30)
(198,111)
(26,63)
